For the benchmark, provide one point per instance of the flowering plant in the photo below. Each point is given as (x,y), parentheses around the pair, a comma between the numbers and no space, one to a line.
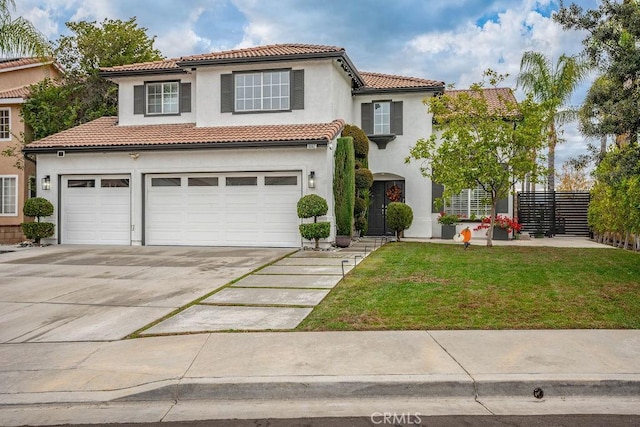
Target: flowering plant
(448,219)
(502,221)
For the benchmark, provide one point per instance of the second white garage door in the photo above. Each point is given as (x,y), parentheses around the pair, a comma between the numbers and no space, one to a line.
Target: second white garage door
(239,209)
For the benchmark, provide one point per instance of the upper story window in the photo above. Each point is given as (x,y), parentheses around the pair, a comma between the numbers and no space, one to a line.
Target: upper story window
(8,195)
(262,91)
(268,90)
(5,124)
(381,118)
(162,98)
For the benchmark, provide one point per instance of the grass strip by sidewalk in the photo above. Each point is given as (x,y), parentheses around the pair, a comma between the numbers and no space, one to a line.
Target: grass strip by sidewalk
(438,286)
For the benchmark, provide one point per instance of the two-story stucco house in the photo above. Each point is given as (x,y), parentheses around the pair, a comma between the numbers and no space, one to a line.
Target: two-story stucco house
(16,183)
(216,149)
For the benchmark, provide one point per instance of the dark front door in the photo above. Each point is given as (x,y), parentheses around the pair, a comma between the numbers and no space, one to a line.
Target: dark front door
(379,202)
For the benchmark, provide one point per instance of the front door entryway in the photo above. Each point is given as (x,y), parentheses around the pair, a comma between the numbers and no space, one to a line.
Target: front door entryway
(383,193)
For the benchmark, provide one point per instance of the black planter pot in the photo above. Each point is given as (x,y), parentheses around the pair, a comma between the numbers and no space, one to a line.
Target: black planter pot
(448,231)
(500,234)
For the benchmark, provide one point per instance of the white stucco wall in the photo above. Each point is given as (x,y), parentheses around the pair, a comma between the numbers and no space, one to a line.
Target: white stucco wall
(327,96)
(391,160)
(319,160)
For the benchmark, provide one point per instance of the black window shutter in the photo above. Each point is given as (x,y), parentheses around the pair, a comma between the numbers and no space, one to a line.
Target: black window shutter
(226,93)
(437,190)
(297,90)
(366,119)
(502,206)
(138,99)
(396,118)
(185,97)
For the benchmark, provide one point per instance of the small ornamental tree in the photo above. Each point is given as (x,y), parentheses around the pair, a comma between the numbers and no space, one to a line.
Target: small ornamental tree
(480,142)
(364,177)
(37,207)
(313,206)
(399,217)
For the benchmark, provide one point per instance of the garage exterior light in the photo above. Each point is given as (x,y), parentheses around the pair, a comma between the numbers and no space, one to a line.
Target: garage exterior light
(312,179)
(46,183)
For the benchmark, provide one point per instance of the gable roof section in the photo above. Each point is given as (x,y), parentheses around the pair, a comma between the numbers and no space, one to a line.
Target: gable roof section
(12,64)
(20,93)
(104,133)
(496,98)
(380,83)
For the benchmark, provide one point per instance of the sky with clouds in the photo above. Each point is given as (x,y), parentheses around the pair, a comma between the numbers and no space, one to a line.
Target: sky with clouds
(449,40)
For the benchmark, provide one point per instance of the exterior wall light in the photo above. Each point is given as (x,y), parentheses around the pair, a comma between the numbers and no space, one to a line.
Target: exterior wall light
(46,183)
(312,179)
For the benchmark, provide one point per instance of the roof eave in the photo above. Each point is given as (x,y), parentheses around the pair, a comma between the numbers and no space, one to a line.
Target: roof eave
(131,73)
(372,91)
(177,146)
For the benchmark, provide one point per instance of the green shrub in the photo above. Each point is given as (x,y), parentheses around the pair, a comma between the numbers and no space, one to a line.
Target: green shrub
(344,188)
(399,217)
(361,224)
(315,231)
(359,207)
(360,141)
(311,206)
(37,207)
(364,178)
(37,230)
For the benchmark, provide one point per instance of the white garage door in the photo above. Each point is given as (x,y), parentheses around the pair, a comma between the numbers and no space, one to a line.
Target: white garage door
(240,209)
(96,210)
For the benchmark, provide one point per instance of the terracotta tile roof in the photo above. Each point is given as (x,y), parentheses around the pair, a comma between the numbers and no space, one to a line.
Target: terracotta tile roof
(6,64)
(388,81)
(266,51)
(105,132)
(165,64)
(496,97)
(21,92)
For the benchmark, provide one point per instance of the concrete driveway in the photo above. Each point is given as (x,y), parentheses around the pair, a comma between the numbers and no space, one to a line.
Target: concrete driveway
(97,293)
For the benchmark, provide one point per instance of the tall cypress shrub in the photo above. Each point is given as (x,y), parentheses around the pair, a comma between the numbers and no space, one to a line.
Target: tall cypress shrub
(344,188)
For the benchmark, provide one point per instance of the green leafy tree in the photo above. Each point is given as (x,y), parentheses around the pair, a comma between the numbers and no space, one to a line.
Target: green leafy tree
(18,36)
(477,143)
(552,86)
(83,95)
(612,43)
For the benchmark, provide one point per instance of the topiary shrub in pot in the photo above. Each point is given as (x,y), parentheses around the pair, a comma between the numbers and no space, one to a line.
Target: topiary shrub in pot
(37,207)
(399,217)
(344,190)
(313,206)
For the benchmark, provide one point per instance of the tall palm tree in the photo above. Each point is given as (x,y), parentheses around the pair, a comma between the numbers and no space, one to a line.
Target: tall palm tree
(18,36)
(552,86)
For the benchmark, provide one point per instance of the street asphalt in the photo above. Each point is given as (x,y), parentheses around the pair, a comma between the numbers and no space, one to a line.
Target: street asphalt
(66,313)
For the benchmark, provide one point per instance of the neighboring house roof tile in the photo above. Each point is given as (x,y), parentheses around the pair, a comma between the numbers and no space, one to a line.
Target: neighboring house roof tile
(388,81)
(17,62)
(496,97)
(21,92)
(106,133)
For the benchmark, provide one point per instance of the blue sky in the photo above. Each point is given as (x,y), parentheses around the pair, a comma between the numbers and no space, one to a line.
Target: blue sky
(449,40)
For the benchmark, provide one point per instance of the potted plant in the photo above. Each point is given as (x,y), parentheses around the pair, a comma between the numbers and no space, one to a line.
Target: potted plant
(448,224)
(502,227)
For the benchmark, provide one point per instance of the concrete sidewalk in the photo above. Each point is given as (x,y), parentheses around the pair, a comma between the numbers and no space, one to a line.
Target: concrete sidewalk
(482,371)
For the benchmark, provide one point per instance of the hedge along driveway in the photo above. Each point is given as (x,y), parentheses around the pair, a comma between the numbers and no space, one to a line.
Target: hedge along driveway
(438,286)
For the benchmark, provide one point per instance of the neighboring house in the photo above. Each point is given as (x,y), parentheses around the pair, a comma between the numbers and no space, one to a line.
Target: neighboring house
(217,149)
(16,184)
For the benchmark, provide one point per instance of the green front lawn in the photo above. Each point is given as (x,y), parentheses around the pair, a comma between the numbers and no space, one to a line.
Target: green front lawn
(440,286)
